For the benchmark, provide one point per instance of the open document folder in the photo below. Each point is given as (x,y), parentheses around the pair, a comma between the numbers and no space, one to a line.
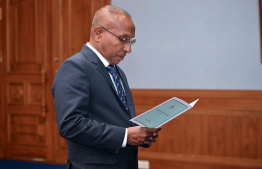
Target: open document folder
(163,113)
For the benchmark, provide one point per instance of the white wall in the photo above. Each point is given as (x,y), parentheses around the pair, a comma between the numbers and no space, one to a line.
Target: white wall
(194,44)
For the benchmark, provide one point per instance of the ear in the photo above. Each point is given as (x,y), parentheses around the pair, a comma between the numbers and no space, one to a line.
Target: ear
(98,33)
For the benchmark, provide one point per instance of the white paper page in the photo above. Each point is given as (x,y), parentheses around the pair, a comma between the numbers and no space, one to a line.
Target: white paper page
(163,113)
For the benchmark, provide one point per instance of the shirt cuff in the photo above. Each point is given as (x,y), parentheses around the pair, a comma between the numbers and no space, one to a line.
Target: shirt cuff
(125,139)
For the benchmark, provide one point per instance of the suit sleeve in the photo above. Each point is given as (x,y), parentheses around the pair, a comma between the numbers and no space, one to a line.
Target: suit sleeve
(71,91)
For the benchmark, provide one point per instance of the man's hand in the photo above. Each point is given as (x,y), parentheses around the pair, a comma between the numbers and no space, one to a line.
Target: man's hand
(141,135)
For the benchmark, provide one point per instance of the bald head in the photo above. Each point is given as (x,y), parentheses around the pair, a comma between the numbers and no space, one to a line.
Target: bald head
(110,16)
(111,33)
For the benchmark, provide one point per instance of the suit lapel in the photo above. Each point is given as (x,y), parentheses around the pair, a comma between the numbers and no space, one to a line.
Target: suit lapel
(90,55)
(101,68)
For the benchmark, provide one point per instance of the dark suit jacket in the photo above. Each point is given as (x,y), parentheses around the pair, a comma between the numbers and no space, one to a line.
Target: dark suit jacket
(90,114)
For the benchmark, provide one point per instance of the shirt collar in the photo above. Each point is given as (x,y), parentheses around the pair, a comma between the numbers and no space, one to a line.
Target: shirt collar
(103,60)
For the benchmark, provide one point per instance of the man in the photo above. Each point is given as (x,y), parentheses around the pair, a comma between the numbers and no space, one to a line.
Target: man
(93,101)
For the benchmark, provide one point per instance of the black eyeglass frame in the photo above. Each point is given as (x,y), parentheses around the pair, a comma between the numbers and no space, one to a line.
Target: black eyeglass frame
(123,40)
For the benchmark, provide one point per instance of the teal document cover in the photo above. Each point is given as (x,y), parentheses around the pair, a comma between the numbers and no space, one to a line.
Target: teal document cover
(163,113)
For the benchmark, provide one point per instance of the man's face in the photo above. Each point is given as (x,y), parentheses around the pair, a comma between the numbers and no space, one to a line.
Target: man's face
(114,50)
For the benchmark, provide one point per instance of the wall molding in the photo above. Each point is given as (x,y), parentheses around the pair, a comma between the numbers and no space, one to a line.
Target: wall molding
(223,130)
(196,159)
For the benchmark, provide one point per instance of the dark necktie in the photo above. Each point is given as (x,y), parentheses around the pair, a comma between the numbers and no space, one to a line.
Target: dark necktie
(119,87)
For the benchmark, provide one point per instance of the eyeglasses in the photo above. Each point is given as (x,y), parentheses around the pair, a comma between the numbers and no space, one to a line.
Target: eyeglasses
(122,39)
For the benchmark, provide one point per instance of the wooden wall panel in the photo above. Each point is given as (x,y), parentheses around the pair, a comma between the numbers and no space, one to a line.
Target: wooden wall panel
(24,28)
(24,79)
(2,35)
(39,36)
(223,130)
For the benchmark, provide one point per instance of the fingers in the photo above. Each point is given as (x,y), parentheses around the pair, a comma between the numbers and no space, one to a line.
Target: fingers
(153,139)
(142,135)
(148,143)
(155,135)
(152,133)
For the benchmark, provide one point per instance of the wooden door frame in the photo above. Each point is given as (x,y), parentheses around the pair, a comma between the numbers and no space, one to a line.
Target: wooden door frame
(2,70)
